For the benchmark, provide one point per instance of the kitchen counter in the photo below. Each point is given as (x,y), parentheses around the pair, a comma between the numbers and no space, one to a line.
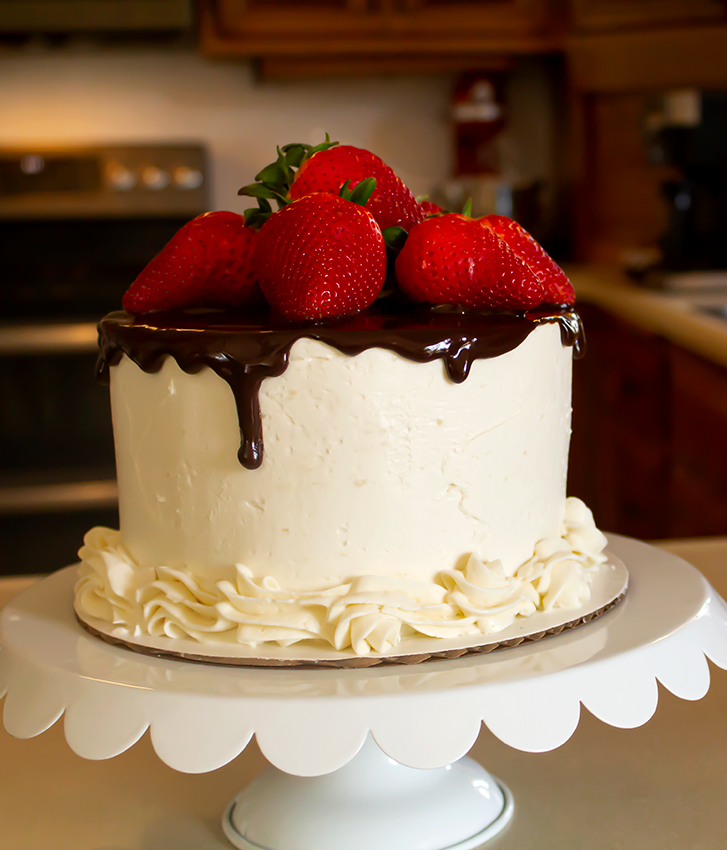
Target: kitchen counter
(659,787)
(670,315)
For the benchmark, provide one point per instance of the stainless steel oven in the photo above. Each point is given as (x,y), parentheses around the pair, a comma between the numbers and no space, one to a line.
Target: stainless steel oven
(76,227)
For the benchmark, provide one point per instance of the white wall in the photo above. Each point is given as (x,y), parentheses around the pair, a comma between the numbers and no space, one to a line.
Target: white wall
(71,97)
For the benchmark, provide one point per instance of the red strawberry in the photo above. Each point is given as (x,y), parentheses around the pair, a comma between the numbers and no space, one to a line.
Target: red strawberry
(453,259)
(321,256)
(558,289)
(431,209)
(326,171)
(210,262)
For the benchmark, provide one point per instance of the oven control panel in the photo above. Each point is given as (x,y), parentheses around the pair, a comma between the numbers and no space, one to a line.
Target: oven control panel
(112,180)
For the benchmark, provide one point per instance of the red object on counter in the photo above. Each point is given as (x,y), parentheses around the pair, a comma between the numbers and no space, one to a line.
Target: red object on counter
(478,114)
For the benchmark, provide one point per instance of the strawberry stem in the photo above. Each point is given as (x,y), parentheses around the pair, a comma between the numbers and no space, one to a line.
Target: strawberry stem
(294,154)
(277,173)
(257,216)
(395,237)
(467,209)
(264,190)
(274,181)
(360,193)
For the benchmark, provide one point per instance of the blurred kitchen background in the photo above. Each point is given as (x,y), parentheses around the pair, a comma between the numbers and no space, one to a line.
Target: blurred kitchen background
(601,125)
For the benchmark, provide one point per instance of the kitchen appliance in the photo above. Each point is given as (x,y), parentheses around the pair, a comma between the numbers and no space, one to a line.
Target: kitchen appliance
(76,227)
(486,169)
(478,116)
(687,129)
(491,194)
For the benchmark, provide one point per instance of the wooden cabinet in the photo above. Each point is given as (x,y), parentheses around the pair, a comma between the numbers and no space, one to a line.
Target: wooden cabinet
(649,446)
(611,45)
(280,27)
(699,445)
(620,445)
(608,15)
(467,21)
(317,30)
(334,37)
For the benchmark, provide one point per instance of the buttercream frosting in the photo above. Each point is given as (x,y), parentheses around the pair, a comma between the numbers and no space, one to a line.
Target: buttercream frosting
(373,463)
(370,613)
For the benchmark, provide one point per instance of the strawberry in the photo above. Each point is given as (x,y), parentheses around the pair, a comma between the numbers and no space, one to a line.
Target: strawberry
(429,208)
(558,289)
(210,262)
(391,204)
(321,256)
(453,259)
(326,168)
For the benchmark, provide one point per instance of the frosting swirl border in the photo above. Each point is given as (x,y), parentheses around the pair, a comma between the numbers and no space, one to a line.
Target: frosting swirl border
(368,614)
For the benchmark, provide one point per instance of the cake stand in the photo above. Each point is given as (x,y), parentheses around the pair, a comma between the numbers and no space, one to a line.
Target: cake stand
(349,747)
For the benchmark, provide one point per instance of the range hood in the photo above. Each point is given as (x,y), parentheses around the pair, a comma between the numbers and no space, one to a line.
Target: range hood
(28,17)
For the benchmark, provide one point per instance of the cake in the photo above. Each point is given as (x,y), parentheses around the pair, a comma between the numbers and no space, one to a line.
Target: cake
(321,470)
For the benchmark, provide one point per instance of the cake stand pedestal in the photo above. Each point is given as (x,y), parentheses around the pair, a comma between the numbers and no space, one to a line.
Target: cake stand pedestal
(349,748)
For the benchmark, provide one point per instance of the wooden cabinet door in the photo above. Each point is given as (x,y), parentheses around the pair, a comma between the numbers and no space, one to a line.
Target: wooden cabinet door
(619,462)
(604,15)
(468,19)
(649,447)
(289,27)
(699,447)
(313,30)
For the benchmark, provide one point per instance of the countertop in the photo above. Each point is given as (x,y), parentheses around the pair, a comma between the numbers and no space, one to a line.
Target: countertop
(662,786)
(671,315)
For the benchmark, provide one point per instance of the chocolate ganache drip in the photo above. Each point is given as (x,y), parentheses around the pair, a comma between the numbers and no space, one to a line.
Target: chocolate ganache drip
(245,349)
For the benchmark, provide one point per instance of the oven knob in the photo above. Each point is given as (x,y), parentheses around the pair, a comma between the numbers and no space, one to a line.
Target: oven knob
(119,178)
(187,178)
(155,178)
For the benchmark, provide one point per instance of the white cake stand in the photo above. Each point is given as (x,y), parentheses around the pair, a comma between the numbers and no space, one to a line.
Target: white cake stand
(348,746)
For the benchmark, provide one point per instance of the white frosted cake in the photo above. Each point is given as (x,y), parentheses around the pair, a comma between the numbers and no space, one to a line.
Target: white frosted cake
(344,422)
(388,499)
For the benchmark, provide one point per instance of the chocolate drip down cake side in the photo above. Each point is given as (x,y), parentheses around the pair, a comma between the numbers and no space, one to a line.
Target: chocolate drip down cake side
(345,422)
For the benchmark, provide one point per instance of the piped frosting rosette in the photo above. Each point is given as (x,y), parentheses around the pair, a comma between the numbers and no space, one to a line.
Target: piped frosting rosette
(369,613)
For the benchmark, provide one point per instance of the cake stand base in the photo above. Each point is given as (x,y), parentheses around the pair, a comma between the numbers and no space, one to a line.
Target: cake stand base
(373,801)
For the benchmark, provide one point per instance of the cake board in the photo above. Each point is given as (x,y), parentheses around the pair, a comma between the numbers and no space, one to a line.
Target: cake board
(348,746)
(608,587)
